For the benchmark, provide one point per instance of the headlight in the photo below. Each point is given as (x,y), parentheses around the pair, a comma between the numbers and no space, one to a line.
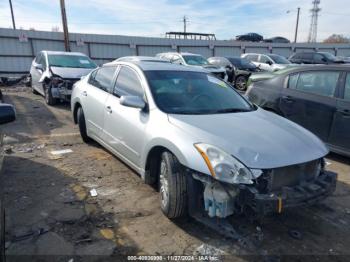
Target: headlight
(225,167)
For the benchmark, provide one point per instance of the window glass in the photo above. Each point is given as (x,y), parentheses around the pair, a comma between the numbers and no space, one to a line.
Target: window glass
(42,61)
(74,61)
(128,83)
(292,81)
(176,59)
(264,59)
(195,60)
(320,82)
(347,88)
(253,58)
(38,57)
(103,78)
(318,58)
(185,92)
(306,56)
(279,59)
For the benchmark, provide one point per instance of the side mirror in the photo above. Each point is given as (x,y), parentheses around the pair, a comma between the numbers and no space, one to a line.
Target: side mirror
(7,113)
(268,62)
(39,67)
(132,101)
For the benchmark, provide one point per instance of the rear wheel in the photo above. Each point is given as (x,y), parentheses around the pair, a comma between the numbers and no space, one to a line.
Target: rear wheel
(172,187)
(82,125)
(241,83)
(50,100)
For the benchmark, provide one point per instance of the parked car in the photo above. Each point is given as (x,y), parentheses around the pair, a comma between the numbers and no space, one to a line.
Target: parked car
(7,114)
(52,74)
(314,58)
(252,37)
(141,58)
(318,98)
(207,147)
(267,62)
(193,60)
(238,69)
(277,39)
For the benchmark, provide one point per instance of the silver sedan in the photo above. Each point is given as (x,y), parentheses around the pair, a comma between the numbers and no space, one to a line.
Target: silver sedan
(204,146)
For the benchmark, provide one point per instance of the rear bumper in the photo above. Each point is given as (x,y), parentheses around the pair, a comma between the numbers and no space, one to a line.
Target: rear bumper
(301,195)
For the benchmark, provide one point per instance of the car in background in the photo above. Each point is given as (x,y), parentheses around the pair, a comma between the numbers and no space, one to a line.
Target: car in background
(238,69)
(267,62)
(314,58)
(317,98)
(141,58)
(193,60)
(277,39)
(53,74)
(251,37)
(344,58)
(200,141)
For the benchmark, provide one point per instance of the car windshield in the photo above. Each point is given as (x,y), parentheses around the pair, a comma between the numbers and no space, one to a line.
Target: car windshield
(329,56)
(242,63)
(279,59)
(74,61)
(195,60)
(184,92)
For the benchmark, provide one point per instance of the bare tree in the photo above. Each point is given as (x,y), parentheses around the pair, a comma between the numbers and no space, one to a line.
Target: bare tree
(336,38)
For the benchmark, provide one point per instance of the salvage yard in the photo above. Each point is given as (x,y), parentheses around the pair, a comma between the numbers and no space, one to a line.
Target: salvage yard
(51,210)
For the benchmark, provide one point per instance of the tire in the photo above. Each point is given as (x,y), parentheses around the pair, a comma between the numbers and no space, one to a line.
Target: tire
(50,100)
(172,187)
(241,83)
(82,125)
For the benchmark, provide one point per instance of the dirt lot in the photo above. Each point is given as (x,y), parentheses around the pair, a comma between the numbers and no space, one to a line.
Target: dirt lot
(50,211)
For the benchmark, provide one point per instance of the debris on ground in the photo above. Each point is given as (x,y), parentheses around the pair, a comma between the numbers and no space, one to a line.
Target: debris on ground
(93,192)
(61,152)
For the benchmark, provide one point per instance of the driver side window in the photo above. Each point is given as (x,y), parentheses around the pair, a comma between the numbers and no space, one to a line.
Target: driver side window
(264,59)
(176,59)
(128,83)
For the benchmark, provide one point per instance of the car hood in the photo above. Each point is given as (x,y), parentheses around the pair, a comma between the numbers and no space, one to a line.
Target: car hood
(66,72)
(259,139)
(212,68)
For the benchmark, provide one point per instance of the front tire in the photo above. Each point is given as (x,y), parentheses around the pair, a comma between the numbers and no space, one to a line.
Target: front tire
(241,83)
(50,100)
(172,187)
(82,125)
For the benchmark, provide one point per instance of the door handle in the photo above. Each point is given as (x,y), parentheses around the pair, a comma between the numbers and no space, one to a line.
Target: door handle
(288,99)
(84,93)
(109,109)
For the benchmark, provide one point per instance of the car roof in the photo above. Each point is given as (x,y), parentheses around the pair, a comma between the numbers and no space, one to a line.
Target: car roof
(179,53)
(314,67)
(150,66)
(62,53)
(140,58)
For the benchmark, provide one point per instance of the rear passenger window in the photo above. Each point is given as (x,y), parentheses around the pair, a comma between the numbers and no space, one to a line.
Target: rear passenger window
(103,78)
(347,88)
(128,83)
(320,83)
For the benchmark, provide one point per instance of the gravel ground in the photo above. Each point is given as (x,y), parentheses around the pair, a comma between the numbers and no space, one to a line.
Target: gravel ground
(50,210)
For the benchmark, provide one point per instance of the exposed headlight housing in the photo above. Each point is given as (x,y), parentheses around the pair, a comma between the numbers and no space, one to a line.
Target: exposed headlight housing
(225,167)
(56,80)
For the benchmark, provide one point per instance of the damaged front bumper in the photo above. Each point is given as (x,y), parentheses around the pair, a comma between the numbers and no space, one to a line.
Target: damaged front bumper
(222,199)
(62,89)
(254,203)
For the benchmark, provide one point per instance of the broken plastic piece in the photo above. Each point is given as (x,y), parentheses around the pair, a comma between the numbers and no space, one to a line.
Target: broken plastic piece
(61,152)
(93,192)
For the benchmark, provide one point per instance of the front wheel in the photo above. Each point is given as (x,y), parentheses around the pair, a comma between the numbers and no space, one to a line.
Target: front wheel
(50,100)
(172,187)
(241,83)
(82,125)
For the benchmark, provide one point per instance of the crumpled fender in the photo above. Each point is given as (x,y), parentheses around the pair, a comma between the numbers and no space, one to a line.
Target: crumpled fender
(46,74)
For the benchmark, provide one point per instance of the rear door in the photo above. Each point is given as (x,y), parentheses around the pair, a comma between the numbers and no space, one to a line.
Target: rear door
(94,97)
(124,126)
(340,132)
(309,100)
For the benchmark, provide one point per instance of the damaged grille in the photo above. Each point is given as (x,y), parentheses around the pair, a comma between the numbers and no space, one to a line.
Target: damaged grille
(70,83)
(275,179)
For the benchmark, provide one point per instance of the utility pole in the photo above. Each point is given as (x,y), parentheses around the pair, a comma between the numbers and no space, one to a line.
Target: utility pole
(65,26)
(12,15)
(296,26)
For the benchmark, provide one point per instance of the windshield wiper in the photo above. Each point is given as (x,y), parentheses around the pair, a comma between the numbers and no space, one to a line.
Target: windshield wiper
(232,110)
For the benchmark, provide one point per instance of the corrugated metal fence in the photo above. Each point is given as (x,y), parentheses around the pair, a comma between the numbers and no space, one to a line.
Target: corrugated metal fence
(18,47)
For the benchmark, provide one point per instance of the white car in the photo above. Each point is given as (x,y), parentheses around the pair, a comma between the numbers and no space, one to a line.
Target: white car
(267,62)
(194,60)
(52,74)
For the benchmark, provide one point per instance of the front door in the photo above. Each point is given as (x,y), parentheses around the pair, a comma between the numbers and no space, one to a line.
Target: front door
(309,100)
(340,133)
(94,97)
(124,126)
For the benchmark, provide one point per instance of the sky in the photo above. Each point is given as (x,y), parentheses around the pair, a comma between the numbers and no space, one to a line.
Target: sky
(225,18)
